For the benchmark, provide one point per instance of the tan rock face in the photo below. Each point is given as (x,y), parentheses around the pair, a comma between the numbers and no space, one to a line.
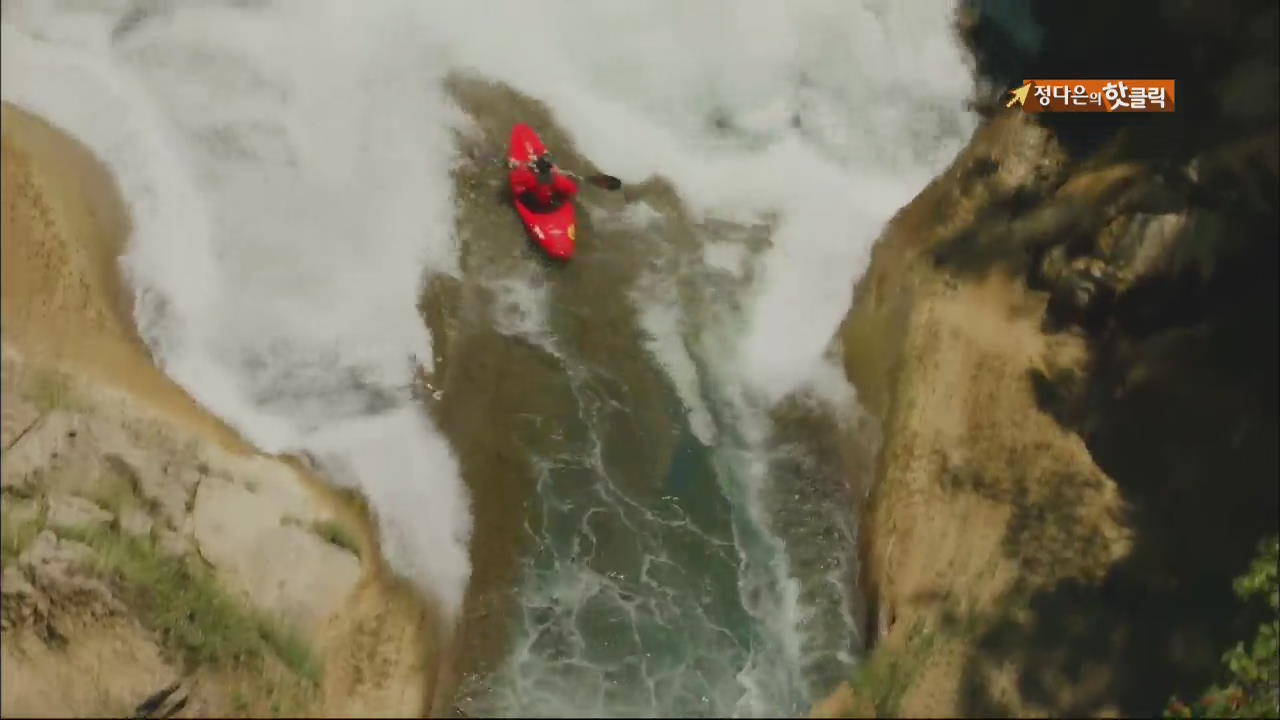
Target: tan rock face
(844,702)
(250,517)
(969,462)
(260,539)
(105,669)
(1073,359)
(73,511)
(96,440)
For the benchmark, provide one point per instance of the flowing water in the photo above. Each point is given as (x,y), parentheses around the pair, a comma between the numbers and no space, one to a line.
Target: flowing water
(296,170)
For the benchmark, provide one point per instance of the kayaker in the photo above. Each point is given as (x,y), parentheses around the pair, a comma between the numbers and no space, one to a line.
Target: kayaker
(541,186)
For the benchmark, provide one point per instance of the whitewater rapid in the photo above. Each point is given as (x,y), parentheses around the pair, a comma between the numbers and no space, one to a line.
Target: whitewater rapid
(287,167)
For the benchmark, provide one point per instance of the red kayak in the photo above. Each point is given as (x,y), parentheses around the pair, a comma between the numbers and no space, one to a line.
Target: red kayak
(553,230)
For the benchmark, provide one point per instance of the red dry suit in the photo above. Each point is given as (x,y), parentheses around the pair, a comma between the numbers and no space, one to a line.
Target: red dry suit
(524,180)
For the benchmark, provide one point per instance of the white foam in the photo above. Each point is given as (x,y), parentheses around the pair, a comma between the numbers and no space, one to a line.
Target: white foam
(287,170)
(877,86)
(661,320)
(641,215)
(729,257)
(521,309)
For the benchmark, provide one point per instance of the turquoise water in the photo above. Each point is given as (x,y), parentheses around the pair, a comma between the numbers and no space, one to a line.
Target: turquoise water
(629,596)
(664,576)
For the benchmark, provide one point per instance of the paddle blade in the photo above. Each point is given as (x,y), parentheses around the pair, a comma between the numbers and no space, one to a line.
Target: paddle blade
(607,182)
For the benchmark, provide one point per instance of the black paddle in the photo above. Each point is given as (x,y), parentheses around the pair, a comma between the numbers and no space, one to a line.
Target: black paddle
(600,180)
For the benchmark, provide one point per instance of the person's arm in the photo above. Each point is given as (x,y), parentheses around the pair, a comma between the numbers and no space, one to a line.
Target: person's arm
(564,185)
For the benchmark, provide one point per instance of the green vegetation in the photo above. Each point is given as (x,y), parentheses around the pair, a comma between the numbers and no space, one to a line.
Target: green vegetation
(1252,687)
(16,534)
(189,611)
(883,679)
(331,531)
(118,489)
(353,499)
(887,674)
(239,703)
(267,666)
(49,390)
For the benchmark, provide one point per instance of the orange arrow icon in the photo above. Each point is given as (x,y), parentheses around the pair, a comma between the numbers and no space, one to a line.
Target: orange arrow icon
(1019,95)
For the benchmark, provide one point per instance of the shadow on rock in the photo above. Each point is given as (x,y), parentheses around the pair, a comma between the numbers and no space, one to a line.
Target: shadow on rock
(1178,401)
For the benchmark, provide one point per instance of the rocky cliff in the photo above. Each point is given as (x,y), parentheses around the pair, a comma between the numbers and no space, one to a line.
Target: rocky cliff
(146,548)
(1070,341)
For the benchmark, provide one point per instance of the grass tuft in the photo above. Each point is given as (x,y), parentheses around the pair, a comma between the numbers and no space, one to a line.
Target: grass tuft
(334,533)
(887,674)
(191,614)
(16,535)
(49,389)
